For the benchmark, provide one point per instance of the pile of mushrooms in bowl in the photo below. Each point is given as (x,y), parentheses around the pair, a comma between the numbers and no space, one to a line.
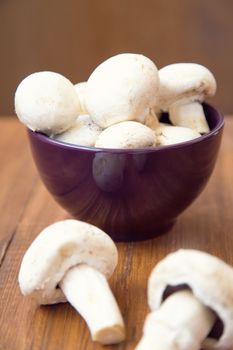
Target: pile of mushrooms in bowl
(129,149)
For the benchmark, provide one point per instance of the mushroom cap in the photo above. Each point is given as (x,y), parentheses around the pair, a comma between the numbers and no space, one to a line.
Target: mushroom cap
(184,82)
(80,88)
(122,88)
(209,278)
(169,134)
(84,132)
(126,135)
(47,102)
(58,248)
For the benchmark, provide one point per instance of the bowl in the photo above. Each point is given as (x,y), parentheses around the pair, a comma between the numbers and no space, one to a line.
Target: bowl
(132,194)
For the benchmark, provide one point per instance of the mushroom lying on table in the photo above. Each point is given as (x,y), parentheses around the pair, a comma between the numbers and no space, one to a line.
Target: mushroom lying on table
(201,297)
(71,260)
(47,102)
(124,87)
(183,87)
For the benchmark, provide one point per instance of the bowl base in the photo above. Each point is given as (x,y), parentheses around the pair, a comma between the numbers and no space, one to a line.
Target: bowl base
(140,236)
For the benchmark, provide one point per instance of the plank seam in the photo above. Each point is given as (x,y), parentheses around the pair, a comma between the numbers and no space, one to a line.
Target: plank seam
(8,243)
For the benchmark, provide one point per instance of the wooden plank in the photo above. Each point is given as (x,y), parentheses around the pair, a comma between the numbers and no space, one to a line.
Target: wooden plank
(206,225)
(17,177)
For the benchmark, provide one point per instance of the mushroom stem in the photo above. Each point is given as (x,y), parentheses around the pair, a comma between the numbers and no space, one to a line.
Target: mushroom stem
(190,115)
(152,120)
(181,323)
(88,292)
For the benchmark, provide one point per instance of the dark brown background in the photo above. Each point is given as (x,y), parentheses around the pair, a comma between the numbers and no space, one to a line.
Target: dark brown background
(73,36)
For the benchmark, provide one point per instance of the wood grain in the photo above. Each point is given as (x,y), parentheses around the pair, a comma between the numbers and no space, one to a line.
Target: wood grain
(26,208)
(72,37)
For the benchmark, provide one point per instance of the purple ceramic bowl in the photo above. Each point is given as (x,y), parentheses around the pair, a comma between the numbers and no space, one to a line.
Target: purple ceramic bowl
(132,194)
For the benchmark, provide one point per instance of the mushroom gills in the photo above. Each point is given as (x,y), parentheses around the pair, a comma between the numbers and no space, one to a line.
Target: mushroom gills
(190,115)
(88,292)
(182,322)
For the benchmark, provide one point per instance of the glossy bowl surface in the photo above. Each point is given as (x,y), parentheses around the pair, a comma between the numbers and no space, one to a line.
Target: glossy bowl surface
(132,194)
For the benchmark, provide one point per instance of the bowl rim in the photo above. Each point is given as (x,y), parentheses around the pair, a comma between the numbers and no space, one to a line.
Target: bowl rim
(64,145)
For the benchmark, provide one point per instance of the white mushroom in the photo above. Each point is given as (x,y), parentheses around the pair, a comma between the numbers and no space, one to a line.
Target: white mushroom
(151,120)
(167,134)
(200,288)
(80,88)
(71,260)
(183,86)
(126,135)
(122,88)
(47,102)
(84,132)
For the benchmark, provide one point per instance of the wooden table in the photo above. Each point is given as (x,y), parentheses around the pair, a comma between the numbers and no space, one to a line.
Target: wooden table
(26,207)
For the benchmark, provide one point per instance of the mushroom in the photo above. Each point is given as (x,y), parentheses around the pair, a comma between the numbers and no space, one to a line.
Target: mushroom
(80,88)
(84,132)
(151,119)
(124,87)
(70,260)
(47,102)
(167,134)
(200,288)
(127,134)
(183,87)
